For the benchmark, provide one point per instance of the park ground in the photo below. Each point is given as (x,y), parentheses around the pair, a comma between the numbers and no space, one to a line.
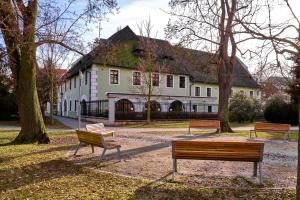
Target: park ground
(52,172)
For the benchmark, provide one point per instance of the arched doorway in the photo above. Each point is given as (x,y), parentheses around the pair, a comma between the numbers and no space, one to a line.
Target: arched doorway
(65,108)
(124,105)
(176,106)
(154,106)
(83,108)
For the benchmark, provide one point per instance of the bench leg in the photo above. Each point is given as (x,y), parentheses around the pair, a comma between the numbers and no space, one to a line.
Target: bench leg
(174,168)
(255,133)
(102,156)
(260,174)
(119,153)
(93,149)
(77,148)
(255,169)
(250,135)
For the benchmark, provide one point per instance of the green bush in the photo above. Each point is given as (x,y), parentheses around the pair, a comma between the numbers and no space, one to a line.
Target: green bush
(278,111)
(8,105)
(243,109)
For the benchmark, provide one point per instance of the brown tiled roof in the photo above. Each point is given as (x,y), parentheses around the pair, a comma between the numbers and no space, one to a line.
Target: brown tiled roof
(199,65)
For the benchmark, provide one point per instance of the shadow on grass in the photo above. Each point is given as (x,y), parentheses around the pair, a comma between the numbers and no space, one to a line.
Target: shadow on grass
(14,178)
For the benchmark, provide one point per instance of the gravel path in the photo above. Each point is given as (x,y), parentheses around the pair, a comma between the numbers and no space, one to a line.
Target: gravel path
(149,156)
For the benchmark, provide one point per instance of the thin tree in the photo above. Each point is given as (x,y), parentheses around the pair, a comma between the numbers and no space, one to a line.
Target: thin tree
(281,44)
(148,64)
(210,25)
(22,34)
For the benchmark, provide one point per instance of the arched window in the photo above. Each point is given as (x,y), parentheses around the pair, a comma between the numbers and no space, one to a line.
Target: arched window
(65,106)
(154,106)
(176,106)
(124,105)
(83,107)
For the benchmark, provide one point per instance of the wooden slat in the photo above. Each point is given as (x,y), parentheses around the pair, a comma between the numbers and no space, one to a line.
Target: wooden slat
(218,150)
(204,124)
(90,138)
(272,127)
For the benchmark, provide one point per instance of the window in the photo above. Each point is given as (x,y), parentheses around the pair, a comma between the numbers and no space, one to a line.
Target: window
(181,81)
(70,106)
(194,108)
(208,92)
(75,82)
(114,76)
(242,91)
(136,78)
(209,108)
(75,105)
(197,91)
(251,94)
(70,84)
(155,79)
(170,81)
(86,77)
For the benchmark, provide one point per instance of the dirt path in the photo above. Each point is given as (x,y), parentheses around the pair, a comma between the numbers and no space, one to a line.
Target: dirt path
(149,156)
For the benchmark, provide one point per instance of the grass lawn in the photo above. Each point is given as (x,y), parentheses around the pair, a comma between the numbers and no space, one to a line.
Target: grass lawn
(44,172)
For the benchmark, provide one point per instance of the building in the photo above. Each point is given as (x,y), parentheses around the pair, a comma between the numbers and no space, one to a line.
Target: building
(275,87)
(186,87)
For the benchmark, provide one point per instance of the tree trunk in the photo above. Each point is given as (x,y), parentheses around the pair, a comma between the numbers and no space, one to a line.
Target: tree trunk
(298,167)
(149,99)
(32,124)
(223,111)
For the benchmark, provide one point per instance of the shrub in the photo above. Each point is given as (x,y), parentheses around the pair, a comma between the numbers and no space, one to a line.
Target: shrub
(278,111)
(8,106)
(243,109)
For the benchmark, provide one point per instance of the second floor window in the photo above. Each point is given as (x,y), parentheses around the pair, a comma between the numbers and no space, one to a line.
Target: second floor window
(197,91)
(170,81)
(114,76)
(251,94)
(86,77)
(181,82)
(136,78)
(155,79)
(70,84)
(70,106)
(208,92)
(75,82)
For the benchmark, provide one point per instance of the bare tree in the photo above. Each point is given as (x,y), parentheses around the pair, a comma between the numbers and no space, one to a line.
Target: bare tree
(148,66)
(211,25)
(280,43)
(22,33)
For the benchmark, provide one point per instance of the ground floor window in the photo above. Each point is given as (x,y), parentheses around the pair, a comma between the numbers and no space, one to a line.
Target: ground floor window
(209,108)
(195,109)
(124,105)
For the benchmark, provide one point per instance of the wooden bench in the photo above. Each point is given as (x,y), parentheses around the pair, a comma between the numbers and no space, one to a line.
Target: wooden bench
(99,128)
(271,127)
(96,139)
(215,124)
(219,150)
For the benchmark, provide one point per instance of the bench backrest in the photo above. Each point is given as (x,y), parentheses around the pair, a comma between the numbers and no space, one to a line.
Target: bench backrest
(91,138)
(271,127)
(204,124)
(218,150)
(95,127)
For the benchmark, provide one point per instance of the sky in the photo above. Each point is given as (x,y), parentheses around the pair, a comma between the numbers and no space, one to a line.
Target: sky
(133,12)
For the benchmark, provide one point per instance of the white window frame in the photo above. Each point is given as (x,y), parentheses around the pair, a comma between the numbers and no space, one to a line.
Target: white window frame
(199,91)
(167,80)
(210,92)
(152,79)
(132,78)
(119,75)
(179,82)
(252,93)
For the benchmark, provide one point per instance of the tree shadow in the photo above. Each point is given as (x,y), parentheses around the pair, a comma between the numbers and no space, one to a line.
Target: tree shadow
(192,137)
(14,178)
